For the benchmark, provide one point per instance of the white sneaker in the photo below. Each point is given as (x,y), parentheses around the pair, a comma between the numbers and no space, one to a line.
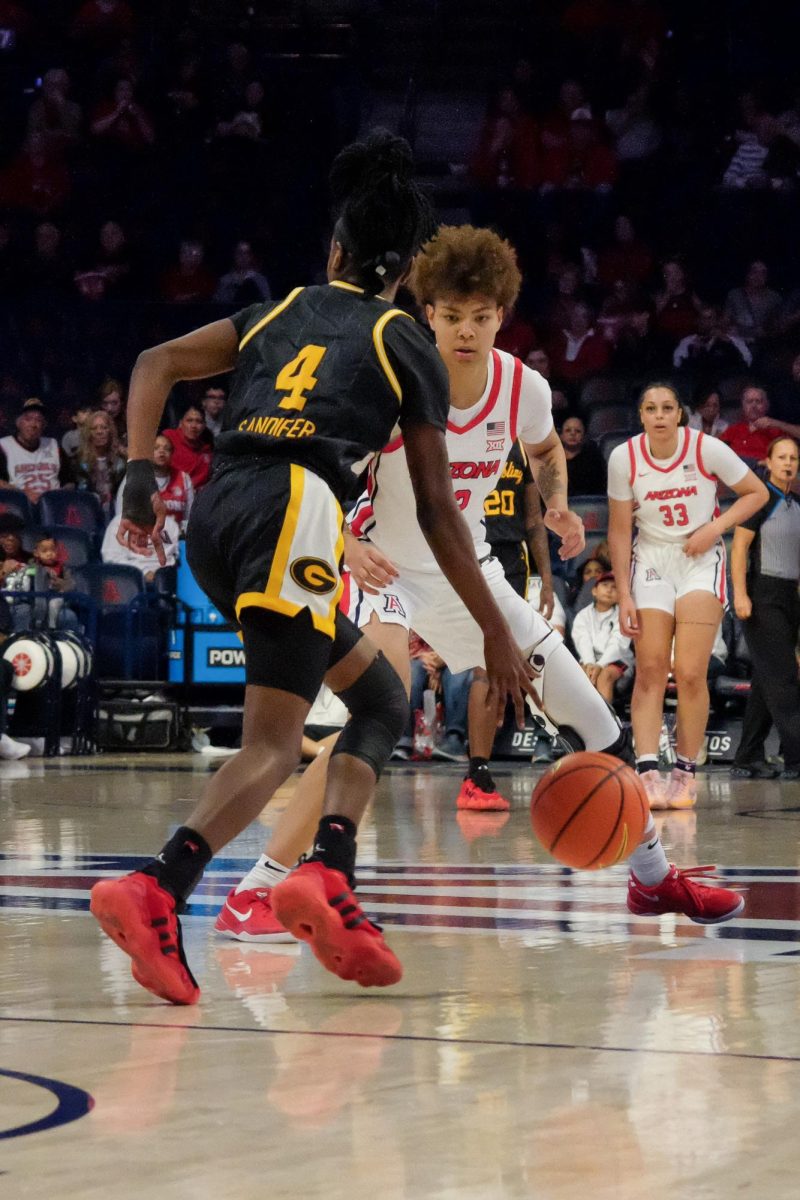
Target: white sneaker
(10,749)
(654,786)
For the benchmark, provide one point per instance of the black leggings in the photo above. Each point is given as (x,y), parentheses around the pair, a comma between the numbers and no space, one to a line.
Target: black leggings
(771,636)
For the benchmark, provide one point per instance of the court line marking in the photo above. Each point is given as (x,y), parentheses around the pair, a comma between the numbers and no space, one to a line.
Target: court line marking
(72,1103)
(407,1037)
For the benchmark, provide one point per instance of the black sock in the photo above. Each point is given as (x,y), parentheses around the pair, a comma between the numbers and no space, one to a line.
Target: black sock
(180,865)
(688,765)
(646,764)
(335,846)
(480,774)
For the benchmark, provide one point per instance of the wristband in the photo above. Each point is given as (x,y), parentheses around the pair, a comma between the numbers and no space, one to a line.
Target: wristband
(140,486)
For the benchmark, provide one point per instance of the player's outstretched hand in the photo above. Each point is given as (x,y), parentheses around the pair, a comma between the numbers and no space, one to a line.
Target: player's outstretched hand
(370,569)
(569,527)
(628,620)
(509,673)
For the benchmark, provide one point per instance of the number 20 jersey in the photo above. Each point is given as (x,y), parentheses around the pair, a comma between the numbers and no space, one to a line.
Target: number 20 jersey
(672,497)
(325,378)
(515,403)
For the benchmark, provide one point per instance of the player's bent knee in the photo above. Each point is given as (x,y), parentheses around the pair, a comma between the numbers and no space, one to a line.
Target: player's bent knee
(379,714)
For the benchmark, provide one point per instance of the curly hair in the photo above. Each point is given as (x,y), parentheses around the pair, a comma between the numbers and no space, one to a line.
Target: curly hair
(464,261)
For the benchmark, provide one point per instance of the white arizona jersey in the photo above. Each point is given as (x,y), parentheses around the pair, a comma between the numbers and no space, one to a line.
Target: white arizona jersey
(672,498)
(515,404)
(35,470)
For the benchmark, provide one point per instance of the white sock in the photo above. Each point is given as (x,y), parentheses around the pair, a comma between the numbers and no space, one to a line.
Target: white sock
(267,873)
(648,861)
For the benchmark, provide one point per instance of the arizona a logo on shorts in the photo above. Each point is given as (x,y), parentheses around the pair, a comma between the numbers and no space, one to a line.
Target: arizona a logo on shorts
(314,575)
(391,604)
(651,575)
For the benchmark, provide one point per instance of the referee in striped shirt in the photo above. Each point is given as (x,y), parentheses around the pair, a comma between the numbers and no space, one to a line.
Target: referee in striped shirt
(765,566)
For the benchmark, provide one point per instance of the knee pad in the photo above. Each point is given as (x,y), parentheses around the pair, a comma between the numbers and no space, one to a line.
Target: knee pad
(379,713)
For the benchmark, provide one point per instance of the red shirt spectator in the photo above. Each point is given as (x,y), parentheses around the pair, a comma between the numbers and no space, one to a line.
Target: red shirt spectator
(584,162)
(626,258)
(507,149)
(516,336)
(750,438)
(189,282)
(192,447)
(676,305)
(579,351)
(35,180)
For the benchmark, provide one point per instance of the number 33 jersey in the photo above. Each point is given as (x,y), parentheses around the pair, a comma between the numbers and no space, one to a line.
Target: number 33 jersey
(325,378)
(515,404)
(672,497)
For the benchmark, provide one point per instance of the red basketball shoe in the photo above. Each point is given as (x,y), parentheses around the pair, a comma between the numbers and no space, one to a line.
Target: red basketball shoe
(139,915)
(682,892)
(316,904)
(475,798)
(248,917)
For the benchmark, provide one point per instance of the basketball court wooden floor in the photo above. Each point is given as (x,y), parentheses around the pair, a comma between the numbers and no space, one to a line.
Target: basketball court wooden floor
(542,1043)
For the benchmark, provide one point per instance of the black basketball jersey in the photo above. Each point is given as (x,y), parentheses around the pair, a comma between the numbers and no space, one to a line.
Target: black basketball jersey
(323,379)
(504,508)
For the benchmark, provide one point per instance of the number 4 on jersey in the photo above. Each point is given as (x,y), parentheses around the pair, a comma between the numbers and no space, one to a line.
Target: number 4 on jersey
(297,377)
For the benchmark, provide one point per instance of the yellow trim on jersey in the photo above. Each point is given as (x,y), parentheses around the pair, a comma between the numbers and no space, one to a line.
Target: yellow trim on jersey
(269,317)
(271,596)
(348,287)
(377,338)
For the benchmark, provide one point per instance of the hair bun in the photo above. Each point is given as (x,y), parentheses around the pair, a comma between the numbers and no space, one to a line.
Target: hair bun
(359,166)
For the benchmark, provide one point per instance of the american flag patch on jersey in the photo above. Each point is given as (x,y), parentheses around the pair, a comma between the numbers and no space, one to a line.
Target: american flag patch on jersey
(495,429)
(690,471)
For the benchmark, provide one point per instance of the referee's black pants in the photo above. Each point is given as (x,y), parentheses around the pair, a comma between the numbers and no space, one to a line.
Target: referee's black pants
(771,636)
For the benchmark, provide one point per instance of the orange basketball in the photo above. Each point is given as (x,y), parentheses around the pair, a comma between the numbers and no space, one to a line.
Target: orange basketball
(589,810)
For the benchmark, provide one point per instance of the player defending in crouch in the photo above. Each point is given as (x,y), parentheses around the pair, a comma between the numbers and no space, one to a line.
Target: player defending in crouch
(466,278)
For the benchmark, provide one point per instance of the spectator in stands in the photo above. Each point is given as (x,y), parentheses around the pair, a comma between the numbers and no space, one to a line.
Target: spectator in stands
(507,157)
(705,415)
(557,125)
(112,402)
(192,446)
(637,135)
(581,589)
(98,466)
(213,403)
(539,360)
(112,551)
(175,487)
(54,115)
(752,310)
(244,284)
(120,120)
(765,568)
(48,274)
(12,555)
(765,159)
(46,556)
(605,655)
(584,163)
(112,260)
(80,414)
(35,464)
(569,292)
(751,437)
(676,305)
(35,181)
(712,351)
(99,25)
(627,257)
(189,281)
(516,335)
(586,467)
(579,350)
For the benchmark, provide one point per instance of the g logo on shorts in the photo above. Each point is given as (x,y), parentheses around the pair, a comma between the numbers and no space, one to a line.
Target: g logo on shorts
(314,575)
